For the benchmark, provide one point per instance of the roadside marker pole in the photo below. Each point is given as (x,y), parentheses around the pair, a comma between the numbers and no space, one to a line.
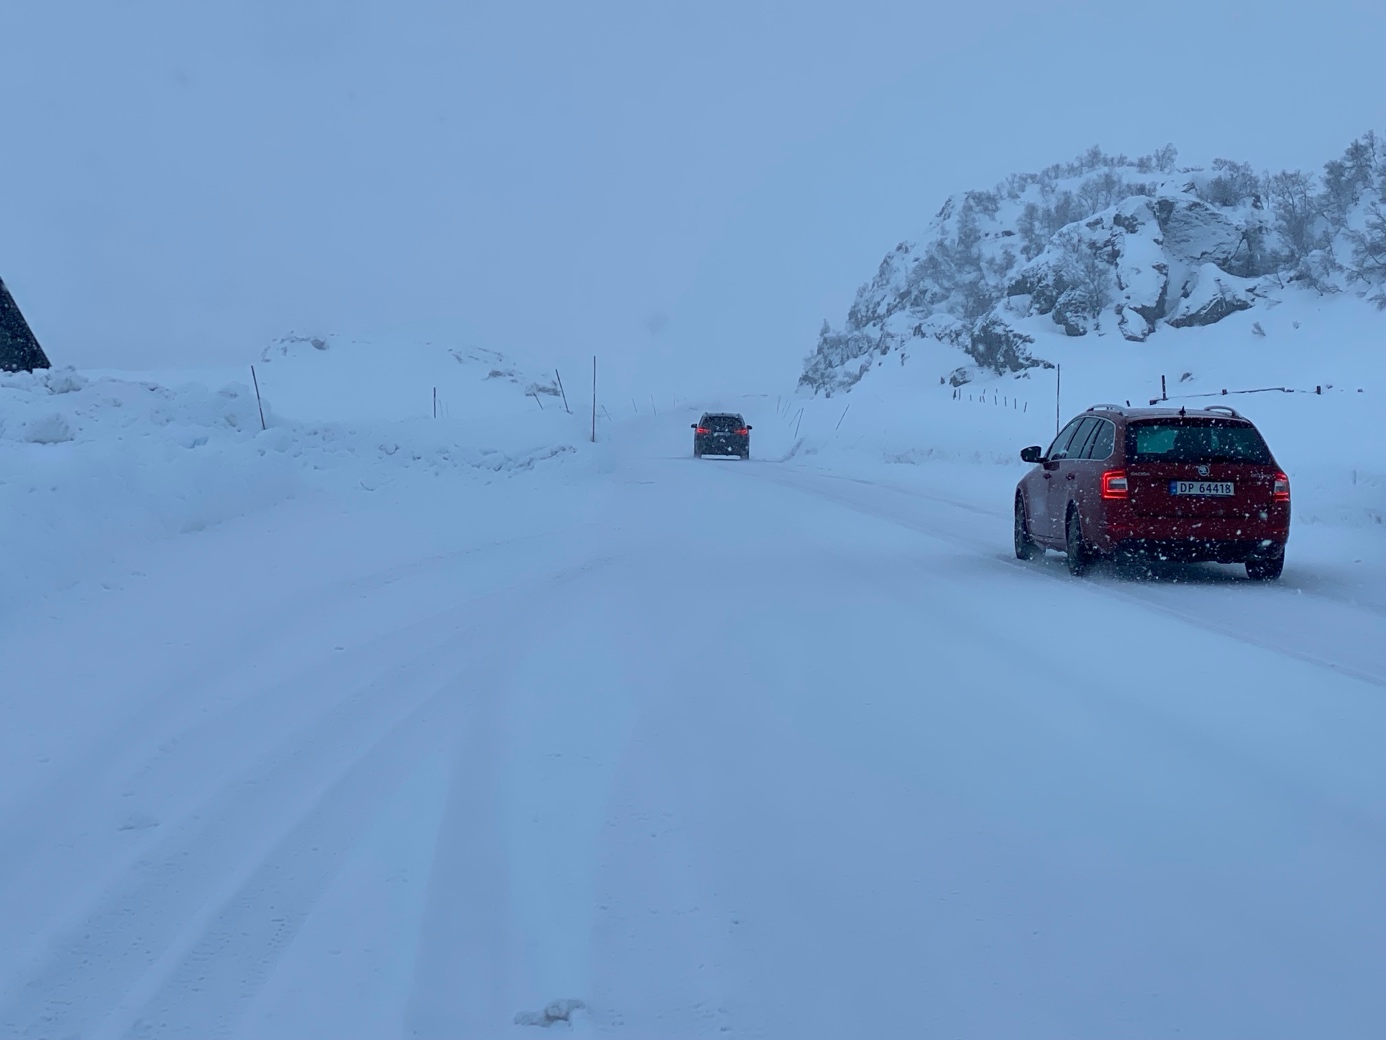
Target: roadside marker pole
(594,398)
(562,391)
(259,404)
(1058,383)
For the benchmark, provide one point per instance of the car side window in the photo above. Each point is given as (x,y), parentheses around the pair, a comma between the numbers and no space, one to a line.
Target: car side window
(1082,440)
(1060,446)
(1074,448)
(1104,441)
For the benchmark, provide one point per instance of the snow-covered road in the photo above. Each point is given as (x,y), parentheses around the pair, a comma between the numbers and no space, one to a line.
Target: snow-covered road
(716,748)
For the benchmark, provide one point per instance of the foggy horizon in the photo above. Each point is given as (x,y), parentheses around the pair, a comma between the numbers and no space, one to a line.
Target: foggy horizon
(682,188)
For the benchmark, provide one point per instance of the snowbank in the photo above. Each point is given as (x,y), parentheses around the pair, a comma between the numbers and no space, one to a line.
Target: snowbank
(91,464)
(1331,443)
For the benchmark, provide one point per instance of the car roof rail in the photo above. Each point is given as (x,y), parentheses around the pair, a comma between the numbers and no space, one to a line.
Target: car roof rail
(1222,409)
(1120,409)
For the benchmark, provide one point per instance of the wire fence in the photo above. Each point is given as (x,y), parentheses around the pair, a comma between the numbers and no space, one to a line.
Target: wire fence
(994,399)
(1317,391)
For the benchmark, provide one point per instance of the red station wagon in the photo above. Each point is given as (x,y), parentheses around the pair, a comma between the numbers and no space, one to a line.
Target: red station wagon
(1163,483)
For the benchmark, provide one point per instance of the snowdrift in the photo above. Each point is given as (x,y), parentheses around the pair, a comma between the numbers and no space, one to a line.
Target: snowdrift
(93,463)
(1314,360)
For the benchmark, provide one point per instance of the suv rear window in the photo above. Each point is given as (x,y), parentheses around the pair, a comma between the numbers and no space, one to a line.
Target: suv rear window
(724,423)
(1195,440)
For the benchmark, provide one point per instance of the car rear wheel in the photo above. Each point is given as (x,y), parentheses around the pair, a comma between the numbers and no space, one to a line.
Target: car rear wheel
(1079,555)
(1266,570)
(1025,546)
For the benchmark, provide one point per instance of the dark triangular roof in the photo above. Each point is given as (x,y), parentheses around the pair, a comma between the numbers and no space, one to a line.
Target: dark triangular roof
(19,349)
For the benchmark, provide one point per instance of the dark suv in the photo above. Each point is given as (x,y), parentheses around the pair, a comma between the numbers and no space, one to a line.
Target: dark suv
(721,433)
(1168,484)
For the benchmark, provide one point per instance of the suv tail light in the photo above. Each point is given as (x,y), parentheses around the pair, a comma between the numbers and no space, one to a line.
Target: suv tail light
(744,431)
(1281,493)
(702,429)
(1114,484)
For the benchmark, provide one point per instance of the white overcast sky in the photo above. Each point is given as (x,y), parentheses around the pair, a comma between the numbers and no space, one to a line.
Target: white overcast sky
(672,185)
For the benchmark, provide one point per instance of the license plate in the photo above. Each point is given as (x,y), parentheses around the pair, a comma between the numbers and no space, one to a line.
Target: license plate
(1216,488)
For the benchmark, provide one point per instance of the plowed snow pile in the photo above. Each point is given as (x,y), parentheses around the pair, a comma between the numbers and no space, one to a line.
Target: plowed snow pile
(92,463)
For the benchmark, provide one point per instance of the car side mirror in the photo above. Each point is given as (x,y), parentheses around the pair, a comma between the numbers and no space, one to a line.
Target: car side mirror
(692,426)
(749,427)
(1034,453)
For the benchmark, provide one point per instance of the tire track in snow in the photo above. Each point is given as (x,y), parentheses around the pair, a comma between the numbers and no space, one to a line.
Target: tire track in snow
(986,550)
(545,860)
(484,955)
(1054,758)
(64,842)
(662,938)
(158,935)
(43,821)
(122,943)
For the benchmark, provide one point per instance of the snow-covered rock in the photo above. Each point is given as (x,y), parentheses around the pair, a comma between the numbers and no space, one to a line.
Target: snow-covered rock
(1211,295)
(995,344)
(1141,268)
(554,1012)
(1197,232)
(1106,245)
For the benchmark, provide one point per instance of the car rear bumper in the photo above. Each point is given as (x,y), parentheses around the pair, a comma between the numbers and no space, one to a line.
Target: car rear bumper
(1197,538)
(1200,550)
(722,446)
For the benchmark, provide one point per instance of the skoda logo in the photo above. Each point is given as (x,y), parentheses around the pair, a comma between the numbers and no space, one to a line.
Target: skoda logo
(1202,471)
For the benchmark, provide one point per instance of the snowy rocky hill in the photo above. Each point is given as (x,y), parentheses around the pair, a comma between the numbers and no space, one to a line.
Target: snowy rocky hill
(1112,246)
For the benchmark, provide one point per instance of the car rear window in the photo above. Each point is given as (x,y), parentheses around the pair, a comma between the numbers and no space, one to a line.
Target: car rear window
(1195,440)
(723,423)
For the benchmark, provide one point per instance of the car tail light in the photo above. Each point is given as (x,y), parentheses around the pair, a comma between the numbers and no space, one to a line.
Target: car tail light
(1114,484)
(1281,492)
(743,431)
(702,429)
